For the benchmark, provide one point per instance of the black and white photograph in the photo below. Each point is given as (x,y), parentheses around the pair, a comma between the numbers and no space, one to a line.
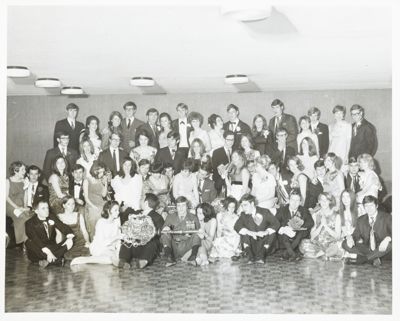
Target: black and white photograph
(212,158)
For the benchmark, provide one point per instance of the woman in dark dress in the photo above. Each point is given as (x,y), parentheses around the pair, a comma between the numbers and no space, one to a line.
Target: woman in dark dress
(262,137)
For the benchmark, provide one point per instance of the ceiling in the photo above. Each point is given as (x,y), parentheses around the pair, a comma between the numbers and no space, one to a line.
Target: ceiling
(189,49)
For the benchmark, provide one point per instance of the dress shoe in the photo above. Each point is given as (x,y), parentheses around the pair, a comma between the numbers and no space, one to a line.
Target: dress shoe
(261,261)
(377,262)
(142,264)
(235,258)
(43,263)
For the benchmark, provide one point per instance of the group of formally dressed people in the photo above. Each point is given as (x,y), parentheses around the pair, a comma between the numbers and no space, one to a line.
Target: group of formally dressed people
(137,190)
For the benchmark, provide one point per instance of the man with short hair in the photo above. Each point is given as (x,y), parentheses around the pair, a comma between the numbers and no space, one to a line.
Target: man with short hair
(319,129)
(283,120)
(282,151)
(113,156)
(151,127)
(70,155)
(352,179)
(171,155)
(182,126)
(70,126)
(129,126)
(296,223)
(206,188)
(34,190)
(257,228)
(220,158)
(363,137)
(41,245)
(177,239)
(371,240)
(76,187)
(131,254)
(235,125)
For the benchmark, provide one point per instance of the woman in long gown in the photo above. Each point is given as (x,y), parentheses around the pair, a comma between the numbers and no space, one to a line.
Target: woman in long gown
(334,179)
(106,243)
(208,227)
(114,126)
(165,124)
(87,158)
(216,133)
(308,156)
(15,207)
(340,134)
(226,243)
(196,121)
(325,241)
(58,184)
(261,136)
(237,176)
(77,223)
(95,192)
(92,132)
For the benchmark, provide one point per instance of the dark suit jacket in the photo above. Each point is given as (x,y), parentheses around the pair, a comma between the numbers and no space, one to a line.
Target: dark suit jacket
(72,190)
(51,154)
(106,157)
(365,141)
(244,130)
(219,157)
(277,156)
(347,183)
(64,126)
(36,231)
(41,193)
(175,128)
(208,193)
(322,131)
(246,221)
(129,133)
(153,135)
(382,228)
(290,124)
(284,216)
(164,156)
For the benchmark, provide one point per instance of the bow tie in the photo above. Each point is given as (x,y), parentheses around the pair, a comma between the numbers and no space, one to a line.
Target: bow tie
(233,122)
(182,122)
(77,184)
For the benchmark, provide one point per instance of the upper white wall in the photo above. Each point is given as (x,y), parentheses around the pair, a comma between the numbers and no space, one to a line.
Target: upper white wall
(189,49)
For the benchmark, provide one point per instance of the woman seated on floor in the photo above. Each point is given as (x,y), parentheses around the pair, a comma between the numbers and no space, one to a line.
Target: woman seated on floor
(106,243)
(226,243)
(208,226)
(325,241)
(76,222)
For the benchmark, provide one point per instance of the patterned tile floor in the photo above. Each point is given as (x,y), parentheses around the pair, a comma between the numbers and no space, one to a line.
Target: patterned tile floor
(308,286)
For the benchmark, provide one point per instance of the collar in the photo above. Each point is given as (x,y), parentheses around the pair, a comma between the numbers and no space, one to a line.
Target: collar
(71,120)
(234,121)
(34,184)
(75,182)
(182,120)
(370,219)
(62,148)
(112,149)
(132,119)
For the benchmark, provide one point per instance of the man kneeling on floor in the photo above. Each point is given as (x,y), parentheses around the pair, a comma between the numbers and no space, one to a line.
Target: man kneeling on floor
(177,237)
(371,240)
(140,243)
(257,228)
(41,245)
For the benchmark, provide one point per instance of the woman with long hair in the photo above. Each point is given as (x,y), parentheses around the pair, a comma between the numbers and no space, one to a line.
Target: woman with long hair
(92,132)
(261,136)
(86,150)
(246,144)
(216,133)
(369,180)
(114,126)
(308,156)
(340,134)
(348,211)
(305,131)
(143,149)
(165,124)
(237,176)
(334,178)
(58,184)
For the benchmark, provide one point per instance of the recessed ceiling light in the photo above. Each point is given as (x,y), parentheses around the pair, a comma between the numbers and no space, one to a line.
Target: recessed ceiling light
(72,90)
(18,72)
(236,79)
(251,11)
(48,83)
(142,81)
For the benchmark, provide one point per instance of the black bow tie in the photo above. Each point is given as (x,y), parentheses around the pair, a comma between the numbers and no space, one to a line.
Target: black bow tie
(182,122)
(232,122)
(77,184)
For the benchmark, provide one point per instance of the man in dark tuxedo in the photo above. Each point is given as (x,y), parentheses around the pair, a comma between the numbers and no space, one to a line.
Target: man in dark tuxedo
(220,157)
(235,125)
(34,190)
(352,179)
(182,126)
(281,151)
(70,126)
(171,155)
(207,191)
(296,223)
(150,128)
(282,120)
(62,149)
(41,229)
(76,187)
(257,228)
(363,137)
(113,156)
(371,240)
(129,126)
(319,129)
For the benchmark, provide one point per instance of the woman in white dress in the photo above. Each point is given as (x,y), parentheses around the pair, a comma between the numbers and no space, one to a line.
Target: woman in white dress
(92,132)
(185,184)
(226,243)
(165,124)
(340,134)
(208,227)
(143,150)
(87,158)
(216,133)
(237,176)
(106,243)
(305,131)
(196,121)
(308,156)
(369,180)
(128,185)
